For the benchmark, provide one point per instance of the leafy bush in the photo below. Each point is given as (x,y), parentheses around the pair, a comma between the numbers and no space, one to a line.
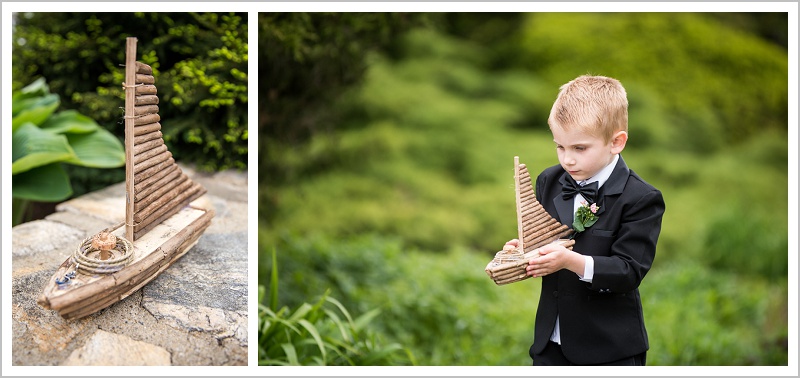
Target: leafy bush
(698,316)
(746,242)
(43,139)
(719,89)
(199,60)
(442,306)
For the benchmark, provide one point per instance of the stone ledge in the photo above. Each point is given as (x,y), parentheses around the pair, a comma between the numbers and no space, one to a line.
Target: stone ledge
(104,349)
(194,313)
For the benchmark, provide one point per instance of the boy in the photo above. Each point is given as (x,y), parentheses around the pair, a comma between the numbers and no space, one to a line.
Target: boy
(590,312)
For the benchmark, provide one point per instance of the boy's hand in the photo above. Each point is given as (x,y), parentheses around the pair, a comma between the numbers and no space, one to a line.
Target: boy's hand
(511,244)
(554,257)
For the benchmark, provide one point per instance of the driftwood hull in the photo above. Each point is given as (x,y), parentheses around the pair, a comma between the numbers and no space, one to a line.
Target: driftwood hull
(503,270)
(153,253)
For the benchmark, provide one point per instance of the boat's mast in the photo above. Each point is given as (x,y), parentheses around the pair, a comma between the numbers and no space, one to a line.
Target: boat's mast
(519,204)
(130,97)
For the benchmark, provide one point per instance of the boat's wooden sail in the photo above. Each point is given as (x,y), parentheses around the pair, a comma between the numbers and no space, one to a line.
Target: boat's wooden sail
(162,222)
(156,187)
(535,228)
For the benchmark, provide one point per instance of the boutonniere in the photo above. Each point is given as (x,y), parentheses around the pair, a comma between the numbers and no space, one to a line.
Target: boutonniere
(585,216)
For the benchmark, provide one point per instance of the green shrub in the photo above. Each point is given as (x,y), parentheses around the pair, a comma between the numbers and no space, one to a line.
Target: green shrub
(747,243)
(442,306)
(699,316)
(717,85)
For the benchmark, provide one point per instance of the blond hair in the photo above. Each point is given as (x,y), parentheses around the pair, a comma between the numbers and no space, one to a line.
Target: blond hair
(597,105)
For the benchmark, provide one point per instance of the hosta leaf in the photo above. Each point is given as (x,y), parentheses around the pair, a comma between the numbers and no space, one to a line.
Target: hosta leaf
(38,88)
(48,183)
(32,147)
(69,121)
(99,149)
(34,110)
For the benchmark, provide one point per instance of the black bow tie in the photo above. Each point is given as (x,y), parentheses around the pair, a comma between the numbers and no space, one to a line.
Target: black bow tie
(571,188)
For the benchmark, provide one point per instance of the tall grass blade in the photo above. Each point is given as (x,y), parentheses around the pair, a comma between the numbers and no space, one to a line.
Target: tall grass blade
(273,290)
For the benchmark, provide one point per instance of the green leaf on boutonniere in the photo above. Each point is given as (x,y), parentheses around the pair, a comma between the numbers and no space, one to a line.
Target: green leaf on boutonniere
(585,216)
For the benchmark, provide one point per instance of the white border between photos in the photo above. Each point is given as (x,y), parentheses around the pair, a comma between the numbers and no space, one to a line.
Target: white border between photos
(253,8)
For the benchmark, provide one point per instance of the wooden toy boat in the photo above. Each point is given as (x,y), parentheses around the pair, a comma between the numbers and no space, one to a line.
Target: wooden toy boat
(161,223)
(535,228)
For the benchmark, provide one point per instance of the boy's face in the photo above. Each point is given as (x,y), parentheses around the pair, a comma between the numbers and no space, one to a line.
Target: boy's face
(583,155)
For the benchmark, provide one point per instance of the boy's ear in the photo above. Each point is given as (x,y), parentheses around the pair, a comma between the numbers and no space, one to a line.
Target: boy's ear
(618,141)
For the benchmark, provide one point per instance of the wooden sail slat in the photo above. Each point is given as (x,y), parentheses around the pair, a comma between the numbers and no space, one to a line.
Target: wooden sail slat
(146,146)
(165,204)
(143,175)
(139,139)
(145,79)
(143,110)
(176,205)
(146,129)
(164,191)
(146,155)
(146,119)
(146,100)
(163,155)
(143,69)
(146,89)
(145,187)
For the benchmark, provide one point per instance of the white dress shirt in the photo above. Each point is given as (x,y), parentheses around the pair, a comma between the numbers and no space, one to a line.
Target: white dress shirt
(588,270)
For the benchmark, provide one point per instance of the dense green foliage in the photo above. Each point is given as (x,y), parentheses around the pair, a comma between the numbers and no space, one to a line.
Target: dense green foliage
(199,61)
(402,204)
(43,140)
(309,61)
(669,72)
(321,334)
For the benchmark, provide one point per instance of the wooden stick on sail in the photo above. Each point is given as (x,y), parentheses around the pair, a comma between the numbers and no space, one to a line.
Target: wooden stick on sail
(130,98)
(519,206)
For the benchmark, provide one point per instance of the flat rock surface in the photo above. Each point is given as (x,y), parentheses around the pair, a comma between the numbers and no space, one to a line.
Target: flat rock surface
(194,313)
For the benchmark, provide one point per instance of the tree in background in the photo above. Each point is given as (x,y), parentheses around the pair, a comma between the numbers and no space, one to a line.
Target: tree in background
(200,63)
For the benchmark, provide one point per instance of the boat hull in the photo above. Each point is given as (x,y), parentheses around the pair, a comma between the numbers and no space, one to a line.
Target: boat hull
(153,253)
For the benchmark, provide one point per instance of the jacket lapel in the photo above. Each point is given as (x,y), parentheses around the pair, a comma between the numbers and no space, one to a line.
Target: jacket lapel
(613,186)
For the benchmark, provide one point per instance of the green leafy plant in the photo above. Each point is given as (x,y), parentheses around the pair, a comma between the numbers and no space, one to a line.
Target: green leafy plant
(43,139)
(320,334)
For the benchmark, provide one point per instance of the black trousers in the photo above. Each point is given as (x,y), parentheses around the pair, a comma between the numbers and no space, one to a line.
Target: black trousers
(552,356)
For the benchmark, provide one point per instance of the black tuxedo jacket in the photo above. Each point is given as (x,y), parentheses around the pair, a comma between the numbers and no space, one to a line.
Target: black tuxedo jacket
(601,321)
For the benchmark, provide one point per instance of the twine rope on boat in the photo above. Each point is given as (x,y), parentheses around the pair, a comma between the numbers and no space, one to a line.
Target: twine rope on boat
(86,264)
(125,86)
